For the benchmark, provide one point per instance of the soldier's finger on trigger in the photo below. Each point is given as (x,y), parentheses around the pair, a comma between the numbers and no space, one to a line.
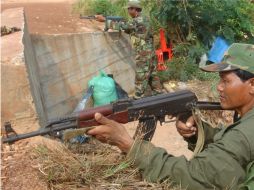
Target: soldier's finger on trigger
(188,135)
(181,126)
(186,131)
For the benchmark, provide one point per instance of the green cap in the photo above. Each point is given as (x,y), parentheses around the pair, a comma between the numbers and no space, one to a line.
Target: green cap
(238,56)
(135,4)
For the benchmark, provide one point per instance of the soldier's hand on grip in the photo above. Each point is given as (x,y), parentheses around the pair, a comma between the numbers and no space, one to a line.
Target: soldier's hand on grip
(186,129)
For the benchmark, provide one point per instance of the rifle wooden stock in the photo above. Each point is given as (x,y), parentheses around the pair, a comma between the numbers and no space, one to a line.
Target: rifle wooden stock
(86,118)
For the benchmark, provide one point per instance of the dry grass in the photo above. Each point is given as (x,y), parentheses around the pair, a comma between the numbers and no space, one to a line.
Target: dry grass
(206,91)
(89,166)
(98,166)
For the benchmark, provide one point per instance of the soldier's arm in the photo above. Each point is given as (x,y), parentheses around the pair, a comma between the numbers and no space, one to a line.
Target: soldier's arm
(220,165)
(138,24)
(128,27)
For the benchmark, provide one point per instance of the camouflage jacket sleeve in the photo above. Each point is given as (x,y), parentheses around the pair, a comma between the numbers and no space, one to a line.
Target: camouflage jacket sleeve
(219,166)
(139,27)
(128,27)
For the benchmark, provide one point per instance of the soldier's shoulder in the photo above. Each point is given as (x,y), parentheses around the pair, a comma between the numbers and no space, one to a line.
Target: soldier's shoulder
(142,19)
(247,129)
(139,19)
(246,124)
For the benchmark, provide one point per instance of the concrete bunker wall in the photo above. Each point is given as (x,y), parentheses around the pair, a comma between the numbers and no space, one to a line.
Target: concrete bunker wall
(60,66)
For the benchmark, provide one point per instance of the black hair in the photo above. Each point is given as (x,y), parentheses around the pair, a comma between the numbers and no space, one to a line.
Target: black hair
(244,75)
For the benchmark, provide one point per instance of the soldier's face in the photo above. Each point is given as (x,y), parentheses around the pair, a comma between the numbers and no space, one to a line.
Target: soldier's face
(234,93)
(132,12)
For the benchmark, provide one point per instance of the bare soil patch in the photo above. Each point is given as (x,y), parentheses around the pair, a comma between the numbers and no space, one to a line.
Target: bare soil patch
(53,18)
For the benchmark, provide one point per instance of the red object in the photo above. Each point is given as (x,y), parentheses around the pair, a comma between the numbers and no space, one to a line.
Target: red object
(163,54)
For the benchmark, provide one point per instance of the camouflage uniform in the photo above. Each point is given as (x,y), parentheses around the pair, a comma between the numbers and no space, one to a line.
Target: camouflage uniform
(5,30)
(226,162)
(146,80)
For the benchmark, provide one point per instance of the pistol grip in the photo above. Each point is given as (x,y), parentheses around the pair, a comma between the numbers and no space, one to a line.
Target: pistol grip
(184,116)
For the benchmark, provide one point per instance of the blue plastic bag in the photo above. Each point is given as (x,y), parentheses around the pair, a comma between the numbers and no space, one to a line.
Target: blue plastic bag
(218,49)
(82,103)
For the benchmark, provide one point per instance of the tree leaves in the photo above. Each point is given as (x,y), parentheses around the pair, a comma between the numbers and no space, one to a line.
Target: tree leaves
(193,25)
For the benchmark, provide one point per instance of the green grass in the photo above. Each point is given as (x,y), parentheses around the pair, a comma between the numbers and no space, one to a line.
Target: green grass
(104,7)
(179,70)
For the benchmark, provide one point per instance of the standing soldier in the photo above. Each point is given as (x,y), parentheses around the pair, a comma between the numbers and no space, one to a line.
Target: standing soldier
(146,80)
(139,29)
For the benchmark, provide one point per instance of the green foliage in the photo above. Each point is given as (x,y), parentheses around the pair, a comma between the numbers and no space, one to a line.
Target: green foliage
(191,52)
(104,7)
(151,6)
(179,69)
(232,19)
(82,7)
(206,19)
(120,8)
(193,26)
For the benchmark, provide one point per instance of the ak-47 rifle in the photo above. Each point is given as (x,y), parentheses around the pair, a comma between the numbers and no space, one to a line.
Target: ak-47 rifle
(107,19)
(124,111)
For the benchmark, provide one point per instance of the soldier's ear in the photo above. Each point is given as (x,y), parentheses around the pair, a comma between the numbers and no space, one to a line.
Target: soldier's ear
(251,81)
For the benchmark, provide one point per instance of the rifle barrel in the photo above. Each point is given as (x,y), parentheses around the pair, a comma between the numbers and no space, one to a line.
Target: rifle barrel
(87,17)
(209,106)
(42,131)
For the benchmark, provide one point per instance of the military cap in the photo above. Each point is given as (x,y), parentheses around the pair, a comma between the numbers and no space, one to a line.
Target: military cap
(135,4)
(238,56)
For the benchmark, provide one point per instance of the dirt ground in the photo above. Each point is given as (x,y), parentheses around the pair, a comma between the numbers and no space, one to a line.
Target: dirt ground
(19,171)
(52,17)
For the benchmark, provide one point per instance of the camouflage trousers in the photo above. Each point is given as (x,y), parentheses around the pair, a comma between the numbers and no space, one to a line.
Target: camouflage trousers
(147,83)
